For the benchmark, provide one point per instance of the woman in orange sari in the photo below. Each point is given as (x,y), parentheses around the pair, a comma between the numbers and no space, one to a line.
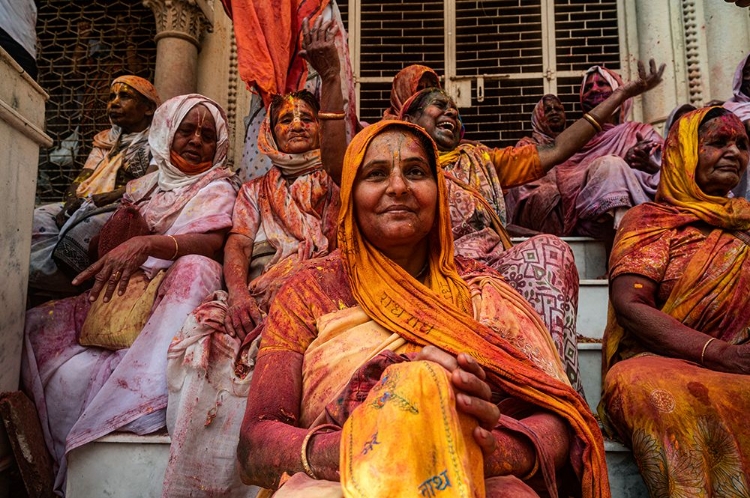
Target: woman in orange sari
(394,368)
(676,356)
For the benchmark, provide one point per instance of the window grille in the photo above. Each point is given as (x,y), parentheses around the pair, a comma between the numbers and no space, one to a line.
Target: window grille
(82,46)
(521,49)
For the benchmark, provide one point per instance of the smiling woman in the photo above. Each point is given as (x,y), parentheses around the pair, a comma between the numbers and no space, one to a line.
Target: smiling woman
(677,342)
(395,197)
(378,363)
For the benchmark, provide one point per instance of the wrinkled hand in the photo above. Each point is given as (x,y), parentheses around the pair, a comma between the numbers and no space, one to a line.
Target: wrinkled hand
(319,47)
(117,266)
(473,394)
(645,81)
(734,358)
(242,315)
(70,207)
(105,198)
(639,155)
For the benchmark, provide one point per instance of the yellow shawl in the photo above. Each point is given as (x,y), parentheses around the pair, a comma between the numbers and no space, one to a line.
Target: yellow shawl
(440,312)
(710,294)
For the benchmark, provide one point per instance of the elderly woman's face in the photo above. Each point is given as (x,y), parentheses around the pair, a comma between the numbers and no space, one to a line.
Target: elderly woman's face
(128,109)
(722,154)
(296,129)
(554,114)
(595,91)
(439,117)
(195,138)
(395,192)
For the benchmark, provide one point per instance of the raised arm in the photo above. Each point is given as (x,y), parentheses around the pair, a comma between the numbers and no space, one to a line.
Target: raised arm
(579,133)
(319,49)
(633,299)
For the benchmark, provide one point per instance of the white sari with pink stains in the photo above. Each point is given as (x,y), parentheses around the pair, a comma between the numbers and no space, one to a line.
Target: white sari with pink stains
(84,393)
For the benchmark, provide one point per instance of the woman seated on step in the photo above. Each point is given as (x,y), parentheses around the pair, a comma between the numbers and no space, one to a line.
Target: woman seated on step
(547,122)
(542,268)
(287,216)
(676,356)
(392,367)
(61,232)
(92,366)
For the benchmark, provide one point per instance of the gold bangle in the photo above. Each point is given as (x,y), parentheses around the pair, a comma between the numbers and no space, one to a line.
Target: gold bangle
(591,119)
(331,115)
(176,248)
(533,469)
(303,451)
(703,353)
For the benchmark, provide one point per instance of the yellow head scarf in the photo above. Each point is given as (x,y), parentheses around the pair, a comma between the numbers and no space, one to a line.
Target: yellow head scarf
(440,313)
(678,188)
(375,279)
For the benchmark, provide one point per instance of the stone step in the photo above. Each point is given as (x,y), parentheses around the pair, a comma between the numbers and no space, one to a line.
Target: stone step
(593,296)
(125,465)
(590,366)
(120,465)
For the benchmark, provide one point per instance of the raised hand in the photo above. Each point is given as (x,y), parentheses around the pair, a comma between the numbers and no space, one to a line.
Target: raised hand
(319,47)
(639,155)
(646,81)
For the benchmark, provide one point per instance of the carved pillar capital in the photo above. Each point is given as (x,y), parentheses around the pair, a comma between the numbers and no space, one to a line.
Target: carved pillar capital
(185,19)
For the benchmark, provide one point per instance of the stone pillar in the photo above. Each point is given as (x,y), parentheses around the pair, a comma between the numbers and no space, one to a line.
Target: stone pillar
(179,26)
(658,35)
(728,41)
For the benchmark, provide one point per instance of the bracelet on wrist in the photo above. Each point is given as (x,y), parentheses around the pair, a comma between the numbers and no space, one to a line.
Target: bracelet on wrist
(593,122)
(331,115)
(305,442)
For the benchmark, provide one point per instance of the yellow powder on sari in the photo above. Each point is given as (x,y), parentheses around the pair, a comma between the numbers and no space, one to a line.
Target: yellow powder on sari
(439,312)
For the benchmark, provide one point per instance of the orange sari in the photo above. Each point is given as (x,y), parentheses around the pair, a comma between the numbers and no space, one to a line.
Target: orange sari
(440,313)
(686,424)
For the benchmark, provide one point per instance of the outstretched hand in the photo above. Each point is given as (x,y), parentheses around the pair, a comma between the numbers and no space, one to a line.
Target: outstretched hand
(639,155)
(319,46)
(646,81)
(473,394)
(114,269)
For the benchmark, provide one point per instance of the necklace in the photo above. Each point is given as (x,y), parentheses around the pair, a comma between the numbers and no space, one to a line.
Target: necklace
(423,270)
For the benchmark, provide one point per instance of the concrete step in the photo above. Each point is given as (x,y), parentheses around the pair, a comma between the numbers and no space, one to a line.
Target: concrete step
(593,296)
(625,480)
(125,465)
(120,465)
(590,365)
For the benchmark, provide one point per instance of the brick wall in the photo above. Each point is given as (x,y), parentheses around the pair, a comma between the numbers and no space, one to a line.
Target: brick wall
(492,36)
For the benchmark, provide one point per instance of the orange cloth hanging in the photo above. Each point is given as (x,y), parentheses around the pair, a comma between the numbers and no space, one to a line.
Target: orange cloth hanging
(268,35)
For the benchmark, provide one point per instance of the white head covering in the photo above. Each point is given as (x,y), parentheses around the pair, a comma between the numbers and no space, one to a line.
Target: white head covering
(739,103)
(290,164)
(167,119)
(615,81)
